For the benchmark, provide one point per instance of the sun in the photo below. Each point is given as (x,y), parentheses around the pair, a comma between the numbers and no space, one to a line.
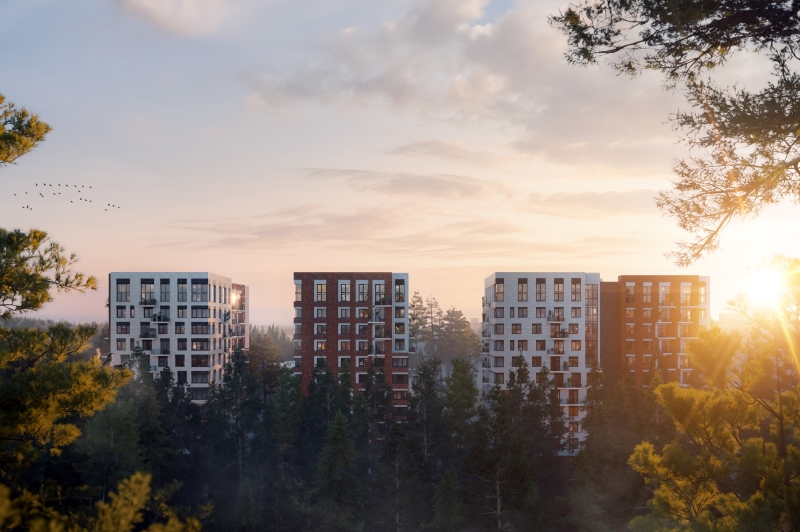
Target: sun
(765,287)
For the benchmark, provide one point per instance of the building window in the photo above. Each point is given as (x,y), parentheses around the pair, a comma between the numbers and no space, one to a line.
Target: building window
(182,291)
(573,411)
(344,312)
(499,362)
(123,290)
(399,345)
(522,345)
(320,345)
(400,395)
(199,344)
(499,378)
(362,345)
(320,328)
(180,327)
(510,312)
(573,362)
(573,397)
(558,314)
(576,345)
(558,289)
(516,328)
(200,312)
(647,313)
(298,345)
(647,294)
(322,292)
(199,361)
(536,328)
(499,345)
(182,312)
(320,312)
(499,290)
(701,295)
(573,328)
(201,328)
(363,292)
(665,314)
(180,361)
(163,328)
(575,312)
(199,377)
(522,290)
(121,312)
(298,291)
(540,312)
(499,312)
(120,344)
(125,328)
(344,329)
(522,312)
(536,362)
(629,313)
(511,345)
(630,329)
(182,342)
(499,328)
(344,292)
(164,291)
(200,290)
(630,345)
(362,329)
(576,289)
(400,378)
(630,291)
(199,394)
(558,347)
(541,290)
(400,312)
(399,362)
(516,362)
(541,345)
(400,291)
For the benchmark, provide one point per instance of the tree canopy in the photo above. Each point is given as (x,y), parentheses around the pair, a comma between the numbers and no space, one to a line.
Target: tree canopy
(748,137)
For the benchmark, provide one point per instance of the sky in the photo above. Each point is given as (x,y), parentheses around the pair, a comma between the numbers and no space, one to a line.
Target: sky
(447,139)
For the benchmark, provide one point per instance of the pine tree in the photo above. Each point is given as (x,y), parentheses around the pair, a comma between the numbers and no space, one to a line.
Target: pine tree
(448,512)
(336,489)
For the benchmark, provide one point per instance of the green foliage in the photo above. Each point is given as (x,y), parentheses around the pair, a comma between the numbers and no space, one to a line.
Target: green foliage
(336,489)
(20,131)
(750,137)
(43,388)
(448,513)
(30,265)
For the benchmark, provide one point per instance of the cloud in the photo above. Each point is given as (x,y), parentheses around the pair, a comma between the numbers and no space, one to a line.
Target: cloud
(390,232)
(448,150)
(442,186)
(439,60)
(184,17)
(592,205)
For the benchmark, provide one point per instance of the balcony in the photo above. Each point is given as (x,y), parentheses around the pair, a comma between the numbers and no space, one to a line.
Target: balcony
(148,302)
(560,334)
(159,351)
(148,334)
(160,318)
(667,301)
(382,334)
(153,368)
(377,317)
(555,318)
(382,301)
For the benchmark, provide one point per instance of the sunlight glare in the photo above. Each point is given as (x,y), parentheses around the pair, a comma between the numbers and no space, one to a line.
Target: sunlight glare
(765,287)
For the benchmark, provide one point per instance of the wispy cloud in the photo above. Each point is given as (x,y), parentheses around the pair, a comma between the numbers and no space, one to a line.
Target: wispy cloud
(593,204)
(442,186)
(185,17)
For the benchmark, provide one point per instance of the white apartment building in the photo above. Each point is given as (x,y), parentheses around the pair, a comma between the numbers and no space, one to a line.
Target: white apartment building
(188,321)
(549,319)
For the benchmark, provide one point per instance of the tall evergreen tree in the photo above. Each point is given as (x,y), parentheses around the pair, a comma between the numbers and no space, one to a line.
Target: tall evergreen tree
(336,489)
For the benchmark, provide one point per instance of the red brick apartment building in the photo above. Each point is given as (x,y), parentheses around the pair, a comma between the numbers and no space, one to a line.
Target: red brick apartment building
(647,320)
(358,317)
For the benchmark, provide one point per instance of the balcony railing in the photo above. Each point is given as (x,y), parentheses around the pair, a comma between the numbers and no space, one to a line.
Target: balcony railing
(153,368)
(161,318)
(148,334)
(383,334)
(560,334)
(382,301)
(556,318)
(159,351)
(148,302)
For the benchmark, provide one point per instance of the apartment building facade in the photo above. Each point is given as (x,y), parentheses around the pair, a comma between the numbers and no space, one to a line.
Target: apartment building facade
(190,322)
(650,319)
(549,319)
(358,318)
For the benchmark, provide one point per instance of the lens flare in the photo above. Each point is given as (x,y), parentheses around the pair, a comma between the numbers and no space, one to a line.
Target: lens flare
(765,287)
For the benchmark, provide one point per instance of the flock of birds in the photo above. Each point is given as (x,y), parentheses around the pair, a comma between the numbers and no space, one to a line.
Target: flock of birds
(43,191)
